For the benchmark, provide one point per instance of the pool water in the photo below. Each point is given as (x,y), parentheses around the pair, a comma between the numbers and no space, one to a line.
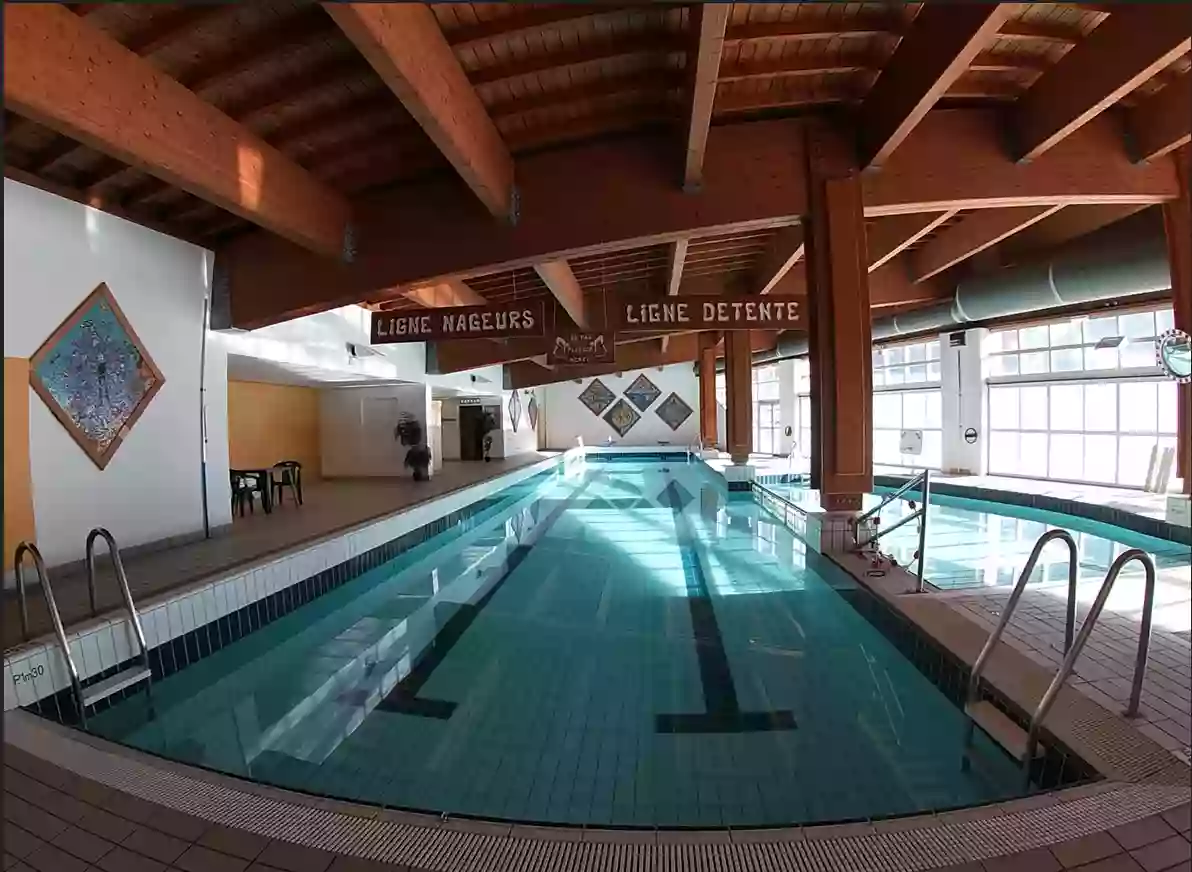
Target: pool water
(622,647)
(973,543)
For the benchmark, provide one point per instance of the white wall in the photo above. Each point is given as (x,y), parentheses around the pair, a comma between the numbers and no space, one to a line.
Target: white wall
(565,417)
(962,404)
(510,443)
(356,428)
(55,253)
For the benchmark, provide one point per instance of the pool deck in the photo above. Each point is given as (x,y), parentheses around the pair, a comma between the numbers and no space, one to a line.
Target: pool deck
(329,507)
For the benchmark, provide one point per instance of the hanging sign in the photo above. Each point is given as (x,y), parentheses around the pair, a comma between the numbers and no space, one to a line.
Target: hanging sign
(674,314)
(581,347)
(509,320)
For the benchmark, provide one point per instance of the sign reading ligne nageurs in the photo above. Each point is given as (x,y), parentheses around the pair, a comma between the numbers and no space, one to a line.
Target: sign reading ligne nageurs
(512,320)
(654,315)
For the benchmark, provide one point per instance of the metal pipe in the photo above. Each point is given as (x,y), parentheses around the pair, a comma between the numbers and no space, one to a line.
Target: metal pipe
(121,578)
(1086,629)
(974,682)
(923,529)
(889,498)
(899,523)
(202,420)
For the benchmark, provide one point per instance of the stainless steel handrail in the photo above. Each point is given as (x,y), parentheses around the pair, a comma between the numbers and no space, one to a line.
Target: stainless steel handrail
(121,577)
(1012,603)
(923,481)
(889,498)
(1086,629)
(40,565)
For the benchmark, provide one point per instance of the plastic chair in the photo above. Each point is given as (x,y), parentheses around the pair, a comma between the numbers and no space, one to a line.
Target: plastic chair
(287,473)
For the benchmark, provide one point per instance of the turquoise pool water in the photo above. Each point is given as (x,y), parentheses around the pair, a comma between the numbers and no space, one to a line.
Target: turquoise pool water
(973,543)
(625,647)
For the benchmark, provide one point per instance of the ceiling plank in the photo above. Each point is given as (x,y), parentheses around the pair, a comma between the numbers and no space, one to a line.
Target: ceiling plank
(452,292)
(708,22)
(1162,122)
(403,43)
(674,269)
(1135,43)
(974,234)
(817,28)
(53,57)
(784,252)
(443,358)
(944,40)
(472,36)
(890,236)
(1062,227)
(557,275)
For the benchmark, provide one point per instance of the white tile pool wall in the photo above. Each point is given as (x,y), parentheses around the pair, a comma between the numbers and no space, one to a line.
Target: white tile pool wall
(38,670)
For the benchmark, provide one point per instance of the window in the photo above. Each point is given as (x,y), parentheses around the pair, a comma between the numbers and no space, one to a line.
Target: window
(767,422)
(917,363)
(906,396)
(721,390)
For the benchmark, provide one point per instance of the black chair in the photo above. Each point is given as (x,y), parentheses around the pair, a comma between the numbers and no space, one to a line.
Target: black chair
(287,473)
(244,489)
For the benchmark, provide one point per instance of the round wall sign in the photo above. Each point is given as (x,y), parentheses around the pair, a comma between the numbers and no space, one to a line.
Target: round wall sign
(1173,353)
(970,435)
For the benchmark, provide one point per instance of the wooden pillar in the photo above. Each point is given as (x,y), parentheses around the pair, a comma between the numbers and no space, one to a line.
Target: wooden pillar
(707,389)
(839,332)
(738,379)
(1177,221)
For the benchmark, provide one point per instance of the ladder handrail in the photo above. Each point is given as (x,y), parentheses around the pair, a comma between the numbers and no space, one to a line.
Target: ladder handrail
(889,498)
(121,577)
(923,482)
(40,566)
(1086,629)
(1012,603)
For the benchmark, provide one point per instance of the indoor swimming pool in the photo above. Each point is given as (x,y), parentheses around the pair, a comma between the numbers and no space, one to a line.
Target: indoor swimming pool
(617,645)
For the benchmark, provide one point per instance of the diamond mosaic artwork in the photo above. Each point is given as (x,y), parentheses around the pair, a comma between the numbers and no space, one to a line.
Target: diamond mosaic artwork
(673,411)
(597,397)
(621,417)
(642,392)
(95,375)
(532,412)
(515,410)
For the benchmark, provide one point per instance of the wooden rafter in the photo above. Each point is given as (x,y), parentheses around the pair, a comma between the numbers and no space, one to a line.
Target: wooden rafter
(891,236)
(557,275)
(472,36)
(703,63)
(403,43)
(1163,122)
(974,234)
(784,252)
(941,45)
(452,292)
(1135,43)
(147,119)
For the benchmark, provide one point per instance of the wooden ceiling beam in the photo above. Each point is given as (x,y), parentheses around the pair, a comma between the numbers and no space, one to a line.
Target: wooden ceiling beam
(889,237)
(406,47)
(650,43)
(1069,223)
(674,269)
(52,57)
(1135,43)
(651,81)
(938,49)
(708,21)
(557,275)
(614,194)
(973,234)
(1162,122)
(472,36)
(629,356)
(444,358)
(803,65)
(452,292)
(784,252)
(818,28)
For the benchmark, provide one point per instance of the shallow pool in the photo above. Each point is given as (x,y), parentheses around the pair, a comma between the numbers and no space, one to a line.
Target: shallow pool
(621,647)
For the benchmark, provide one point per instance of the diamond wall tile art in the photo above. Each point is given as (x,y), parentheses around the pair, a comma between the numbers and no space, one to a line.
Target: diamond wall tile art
(673,411)
(95,375)
(596,396)
(642,392)
(532,412)
(621,417)
(515,410)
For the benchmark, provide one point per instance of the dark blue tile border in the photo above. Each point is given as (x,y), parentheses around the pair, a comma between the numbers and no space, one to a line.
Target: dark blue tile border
(184,651)
(1133,521)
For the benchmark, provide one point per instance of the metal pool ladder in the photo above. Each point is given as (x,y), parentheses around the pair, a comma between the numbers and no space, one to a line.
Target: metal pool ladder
(1021,744)
(923,482)
(127,677)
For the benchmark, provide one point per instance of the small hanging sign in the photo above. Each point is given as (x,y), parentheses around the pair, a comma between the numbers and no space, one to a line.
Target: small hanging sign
(581,347)
(737,312)
(526,318)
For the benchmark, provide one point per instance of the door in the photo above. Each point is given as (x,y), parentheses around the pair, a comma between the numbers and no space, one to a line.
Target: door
(471,433)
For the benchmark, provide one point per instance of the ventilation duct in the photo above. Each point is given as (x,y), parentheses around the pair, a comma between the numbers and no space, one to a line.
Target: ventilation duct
(1125,259)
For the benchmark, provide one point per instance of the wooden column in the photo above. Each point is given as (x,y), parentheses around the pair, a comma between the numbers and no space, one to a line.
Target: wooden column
(738,378)
(838,330)
(707,389)
(1177,221)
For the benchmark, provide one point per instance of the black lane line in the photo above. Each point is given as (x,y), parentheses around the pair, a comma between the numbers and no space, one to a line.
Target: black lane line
(723,711)
(404,698)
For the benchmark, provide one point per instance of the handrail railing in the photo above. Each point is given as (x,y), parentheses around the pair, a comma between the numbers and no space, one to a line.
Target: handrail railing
(1086,629)
(121,578)
(974,682)
(40,566)
(923,481)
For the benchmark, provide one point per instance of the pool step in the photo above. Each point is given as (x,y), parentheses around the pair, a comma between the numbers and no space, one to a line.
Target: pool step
(1000,728)
(101,690)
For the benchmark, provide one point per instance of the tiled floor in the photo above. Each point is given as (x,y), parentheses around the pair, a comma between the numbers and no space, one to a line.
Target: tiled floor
(1105,670)
(329,507)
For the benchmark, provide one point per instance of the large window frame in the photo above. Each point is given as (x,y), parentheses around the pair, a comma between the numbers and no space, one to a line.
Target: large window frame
(767,418)
(907,396)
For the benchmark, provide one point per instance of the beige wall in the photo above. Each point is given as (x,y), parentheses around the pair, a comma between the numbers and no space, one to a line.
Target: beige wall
(18,481)
(268,423)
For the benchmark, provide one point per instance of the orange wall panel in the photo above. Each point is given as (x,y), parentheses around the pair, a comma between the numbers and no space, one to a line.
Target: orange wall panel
(268,423)
(18,480)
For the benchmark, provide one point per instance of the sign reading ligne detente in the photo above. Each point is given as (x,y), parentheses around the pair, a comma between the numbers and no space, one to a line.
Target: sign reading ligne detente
(654,315)
(516,319)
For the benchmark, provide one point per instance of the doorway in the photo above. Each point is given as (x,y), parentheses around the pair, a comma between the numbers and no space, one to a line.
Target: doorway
(471,433)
